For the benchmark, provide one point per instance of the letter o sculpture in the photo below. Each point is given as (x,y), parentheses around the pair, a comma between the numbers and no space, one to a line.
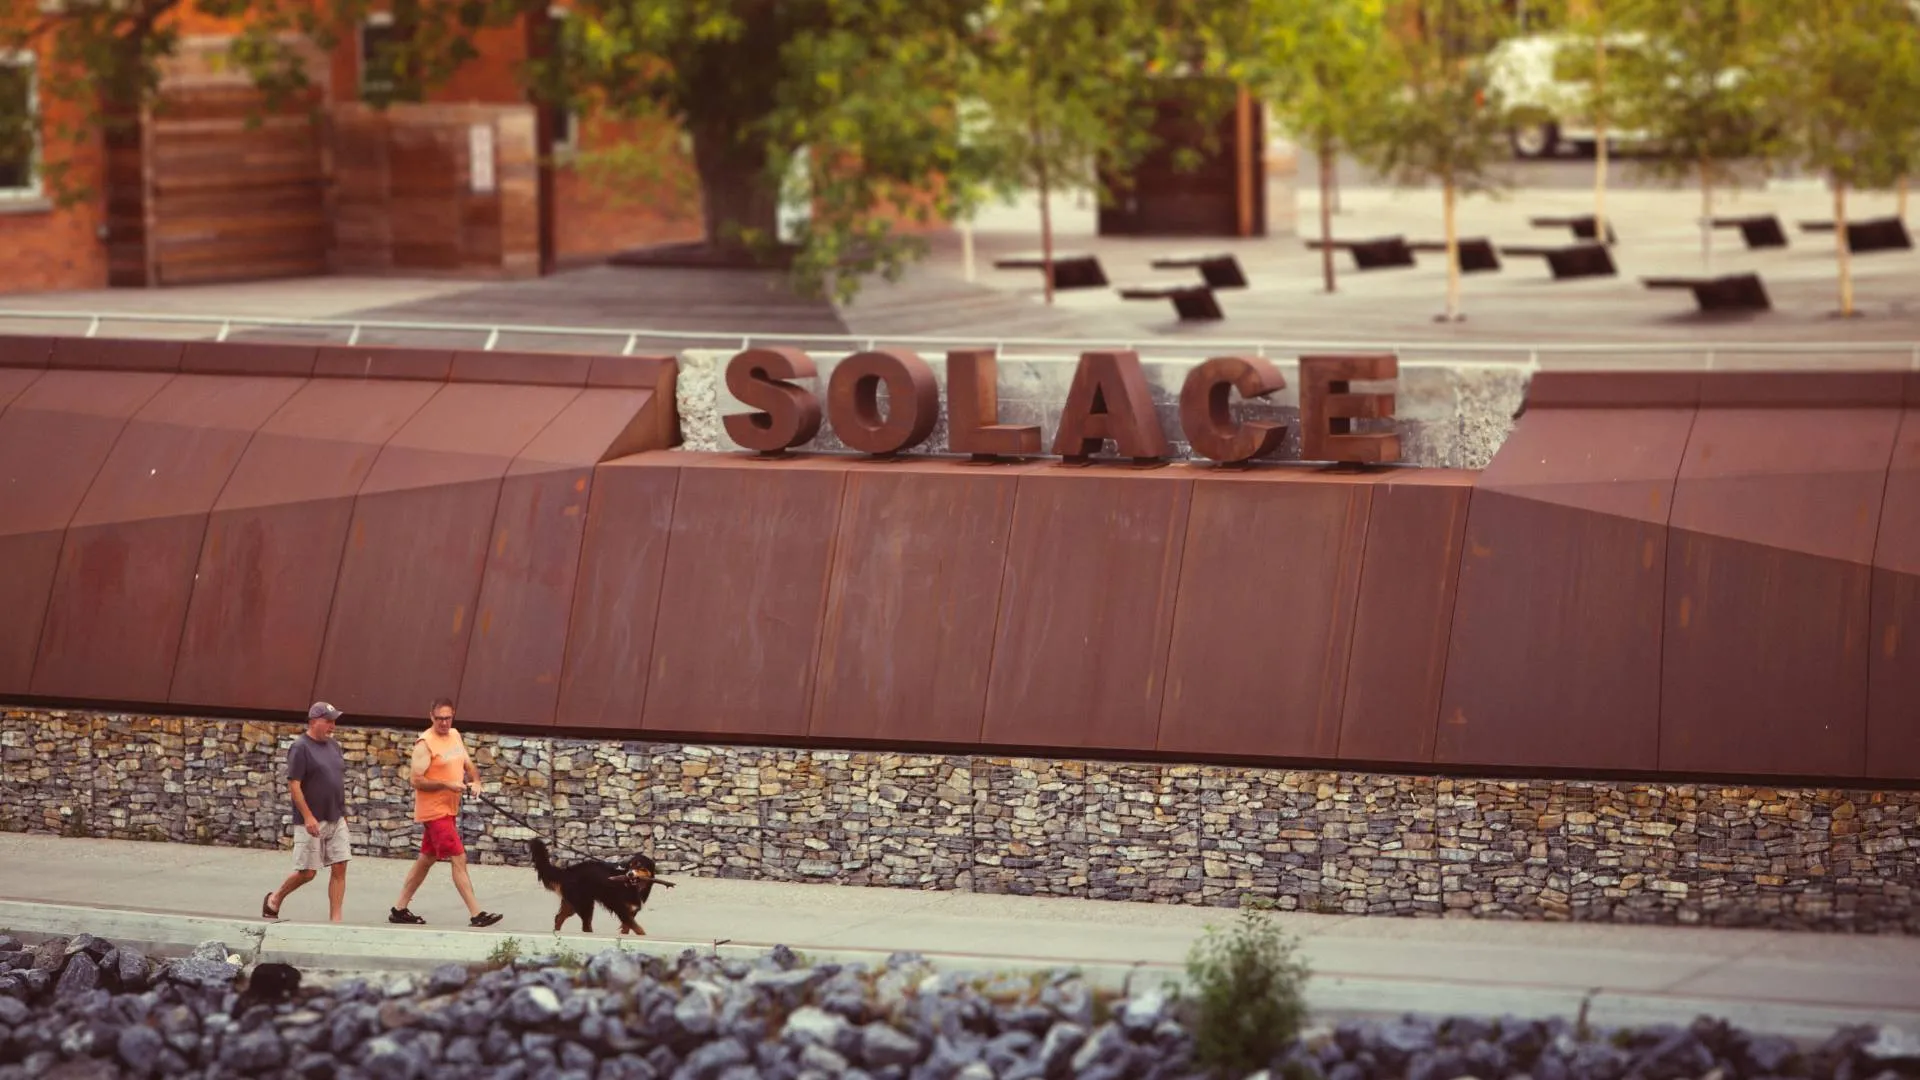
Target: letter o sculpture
(853,401)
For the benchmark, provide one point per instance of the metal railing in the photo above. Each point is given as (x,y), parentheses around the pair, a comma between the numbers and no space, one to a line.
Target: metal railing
(1904,353)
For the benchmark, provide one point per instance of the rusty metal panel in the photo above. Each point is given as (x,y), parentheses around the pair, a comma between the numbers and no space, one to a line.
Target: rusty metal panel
(409,580)
(27,352)
(741,604)
(14,382)
(535,368)
(53,439)
(249,358)
(616,597)
(1269,577)
(379,362)
(519,642)
(908,636)
(1086,609)
(654,373)
(1769,577)
(117,354)
(1416,532)
(126,567)
(265,580)
(1893,685)
(1554,659)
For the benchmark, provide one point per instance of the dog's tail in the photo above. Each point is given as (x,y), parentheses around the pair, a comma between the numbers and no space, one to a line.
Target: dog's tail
(543,866)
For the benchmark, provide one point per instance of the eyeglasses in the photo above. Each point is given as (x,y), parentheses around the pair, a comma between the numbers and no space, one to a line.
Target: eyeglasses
(447,716)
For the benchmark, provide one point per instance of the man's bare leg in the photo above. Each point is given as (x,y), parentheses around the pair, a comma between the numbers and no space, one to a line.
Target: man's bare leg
(294,881)
(336,891)
(415,876)
(464,884)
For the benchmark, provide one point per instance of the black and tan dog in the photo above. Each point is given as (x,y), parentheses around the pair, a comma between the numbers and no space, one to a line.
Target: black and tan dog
(621,889)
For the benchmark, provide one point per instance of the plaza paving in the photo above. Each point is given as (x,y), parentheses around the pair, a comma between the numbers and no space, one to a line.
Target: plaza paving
(1518,313)
(178,895)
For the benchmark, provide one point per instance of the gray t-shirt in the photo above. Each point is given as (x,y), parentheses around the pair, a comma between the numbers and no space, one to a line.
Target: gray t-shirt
(322,771)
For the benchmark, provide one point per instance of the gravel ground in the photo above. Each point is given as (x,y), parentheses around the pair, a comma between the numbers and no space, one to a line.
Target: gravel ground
(84,1007)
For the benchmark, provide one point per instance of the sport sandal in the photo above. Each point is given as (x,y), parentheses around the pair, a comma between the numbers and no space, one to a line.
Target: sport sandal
(402,915)
(485,918)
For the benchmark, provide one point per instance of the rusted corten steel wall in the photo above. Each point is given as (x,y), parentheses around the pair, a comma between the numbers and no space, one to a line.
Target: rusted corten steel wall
(1692,575)
(251,526)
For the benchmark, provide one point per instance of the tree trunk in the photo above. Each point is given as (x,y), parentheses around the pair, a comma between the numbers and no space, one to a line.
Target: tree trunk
(1046,233)
(1840,246)
(1453,251)
(1326,211)
(1706,217)
(1900,197)
(738,201)
(1600,141)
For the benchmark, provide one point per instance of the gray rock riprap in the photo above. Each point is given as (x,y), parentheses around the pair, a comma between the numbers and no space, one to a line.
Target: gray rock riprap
(629,1017)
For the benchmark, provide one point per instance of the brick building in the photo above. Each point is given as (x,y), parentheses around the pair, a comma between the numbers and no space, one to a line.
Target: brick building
(453,185)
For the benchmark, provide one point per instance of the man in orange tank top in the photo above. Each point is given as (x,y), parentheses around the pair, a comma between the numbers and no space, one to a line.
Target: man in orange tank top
(441,771)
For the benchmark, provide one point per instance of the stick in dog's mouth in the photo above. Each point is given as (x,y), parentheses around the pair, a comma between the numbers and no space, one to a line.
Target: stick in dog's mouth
(639,878)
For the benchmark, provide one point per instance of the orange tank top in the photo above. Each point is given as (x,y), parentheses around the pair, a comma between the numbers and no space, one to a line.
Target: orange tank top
(445,760)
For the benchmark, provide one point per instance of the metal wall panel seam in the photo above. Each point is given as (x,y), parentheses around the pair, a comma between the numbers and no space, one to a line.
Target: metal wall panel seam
(1449,629)
(666,559)
(1353,608)
(999,606)
(834,550)
(206,521)
(1666,577)
(35,377)
(346,540)
(40,635)
(493,515)
(1173,617)
(1873,562)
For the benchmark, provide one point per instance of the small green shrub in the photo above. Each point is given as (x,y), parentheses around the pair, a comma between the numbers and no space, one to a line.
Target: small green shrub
(1247,999)
(504,953)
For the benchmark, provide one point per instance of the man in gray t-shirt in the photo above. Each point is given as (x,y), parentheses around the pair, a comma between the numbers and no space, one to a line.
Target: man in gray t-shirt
(317,782)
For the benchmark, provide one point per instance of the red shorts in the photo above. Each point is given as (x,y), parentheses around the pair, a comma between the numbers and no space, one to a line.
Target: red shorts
(442,839)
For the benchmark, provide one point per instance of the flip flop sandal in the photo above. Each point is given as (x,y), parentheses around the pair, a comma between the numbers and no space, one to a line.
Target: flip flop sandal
(485,918)
(265,911)
(402,915)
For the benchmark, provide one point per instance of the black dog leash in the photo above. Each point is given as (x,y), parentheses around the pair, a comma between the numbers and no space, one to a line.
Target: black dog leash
(529,826)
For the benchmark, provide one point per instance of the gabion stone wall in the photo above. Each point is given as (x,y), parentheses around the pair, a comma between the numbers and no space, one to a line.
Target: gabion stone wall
(1810,858)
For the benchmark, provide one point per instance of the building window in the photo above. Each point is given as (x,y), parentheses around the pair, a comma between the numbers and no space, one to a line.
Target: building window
(20,131)
(378,39)
(566,124)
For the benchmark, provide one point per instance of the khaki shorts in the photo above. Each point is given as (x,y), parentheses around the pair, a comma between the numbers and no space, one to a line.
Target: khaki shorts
(319,852)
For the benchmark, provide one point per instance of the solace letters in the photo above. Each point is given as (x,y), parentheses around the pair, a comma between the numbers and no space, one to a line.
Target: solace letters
(1108,402)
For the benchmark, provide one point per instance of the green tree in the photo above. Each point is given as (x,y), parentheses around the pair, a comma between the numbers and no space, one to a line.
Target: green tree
(1318,64)
(1443,122)
(1690,89)
(1840,78)
(1247,997)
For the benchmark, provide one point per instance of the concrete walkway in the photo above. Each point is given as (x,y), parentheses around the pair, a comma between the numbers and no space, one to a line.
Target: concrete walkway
(172,896)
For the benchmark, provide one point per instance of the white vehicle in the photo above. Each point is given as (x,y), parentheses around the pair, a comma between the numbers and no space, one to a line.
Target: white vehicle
(1534,77)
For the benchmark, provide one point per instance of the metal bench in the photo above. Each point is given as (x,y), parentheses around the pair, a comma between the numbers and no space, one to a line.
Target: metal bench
(1071,270)
(1758,230)
(1572,261)
(1379,253)
(1872,234)
(1218,269)
(1727,292)
(1476,254)
(1583,225)
(1191,302)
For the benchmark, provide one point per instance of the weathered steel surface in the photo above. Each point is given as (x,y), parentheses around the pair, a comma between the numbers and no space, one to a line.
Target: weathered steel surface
(53,439)
(520,630)
(22,351)
(1269,578)
(345,362)
(1086,608)
(266,577)
(117,354)
(1893,642)
(853,401)
(1769,575)
(403,608)
(740,609)
(248,358)
(616,595)
(14,382)
(1416,530)
(126,568)
(540,369)
(1555,655)
(908,636)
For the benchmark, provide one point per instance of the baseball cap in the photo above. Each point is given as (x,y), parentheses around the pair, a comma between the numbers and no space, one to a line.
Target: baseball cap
(322,709)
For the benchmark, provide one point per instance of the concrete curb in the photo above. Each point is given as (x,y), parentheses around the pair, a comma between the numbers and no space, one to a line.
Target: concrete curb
(325,950)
